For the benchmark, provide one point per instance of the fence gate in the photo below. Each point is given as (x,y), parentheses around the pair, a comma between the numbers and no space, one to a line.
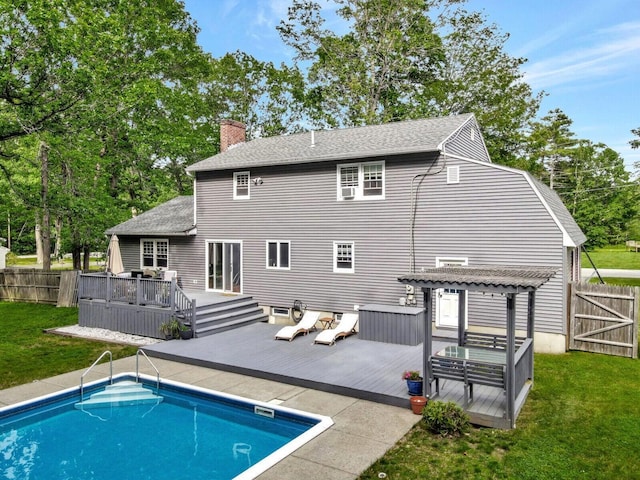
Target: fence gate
(604,319)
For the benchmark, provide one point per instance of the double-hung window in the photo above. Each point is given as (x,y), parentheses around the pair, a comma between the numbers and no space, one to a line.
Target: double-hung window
(241,185)
(278,255)
(343,257)
(361,180)
(154,253)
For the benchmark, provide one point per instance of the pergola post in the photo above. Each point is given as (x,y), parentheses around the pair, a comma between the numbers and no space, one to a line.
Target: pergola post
(462,315)
(531,315)
(511,350)
(426,345)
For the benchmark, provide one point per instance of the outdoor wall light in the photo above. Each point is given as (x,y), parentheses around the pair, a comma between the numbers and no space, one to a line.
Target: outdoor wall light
(257,181)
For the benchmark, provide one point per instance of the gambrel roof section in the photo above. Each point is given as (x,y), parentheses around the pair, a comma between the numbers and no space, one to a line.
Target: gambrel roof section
(170,219)
(398,138)
(571,230)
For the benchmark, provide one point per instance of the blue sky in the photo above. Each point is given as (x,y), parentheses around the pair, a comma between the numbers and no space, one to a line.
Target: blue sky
(585,54)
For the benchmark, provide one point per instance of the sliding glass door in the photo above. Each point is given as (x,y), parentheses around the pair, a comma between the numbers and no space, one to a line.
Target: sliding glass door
(224,266)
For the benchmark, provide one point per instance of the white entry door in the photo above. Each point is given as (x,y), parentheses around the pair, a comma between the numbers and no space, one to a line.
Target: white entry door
(447,299)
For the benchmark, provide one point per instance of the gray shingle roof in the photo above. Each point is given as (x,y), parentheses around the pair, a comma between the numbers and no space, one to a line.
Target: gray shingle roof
(412,136)
(560,211)
(502,278)
(172,218)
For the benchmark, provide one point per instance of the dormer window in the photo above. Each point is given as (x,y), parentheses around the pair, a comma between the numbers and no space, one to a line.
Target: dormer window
(361,181)
(241,185)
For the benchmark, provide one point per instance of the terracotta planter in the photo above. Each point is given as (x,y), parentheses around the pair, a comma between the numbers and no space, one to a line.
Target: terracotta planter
(417,404)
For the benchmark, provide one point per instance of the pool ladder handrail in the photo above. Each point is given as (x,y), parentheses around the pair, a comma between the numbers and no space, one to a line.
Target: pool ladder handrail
(106,352)
(140,351)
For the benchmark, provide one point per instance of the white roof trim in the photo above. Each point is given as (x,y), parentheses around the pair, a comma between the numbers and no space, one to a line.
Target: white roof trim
(566,238)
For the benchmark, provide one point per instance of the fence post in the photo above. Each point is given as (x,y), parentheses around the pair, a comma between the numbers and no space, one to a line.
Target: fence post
(107,297)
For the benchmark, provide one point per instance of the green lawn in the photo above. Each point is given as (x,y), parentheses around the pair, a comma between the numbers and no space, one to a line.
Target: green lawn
(613,256)
(28,354)
(581,421)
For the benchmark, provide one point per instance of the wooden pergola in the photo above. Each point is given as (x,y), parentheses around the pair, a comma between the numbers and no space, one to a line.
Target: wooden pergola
(517,369)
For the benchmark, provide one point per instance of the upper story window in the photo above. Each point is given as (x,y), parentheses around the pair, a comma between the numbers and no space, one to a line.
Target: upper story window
(154,253)
(343,257)
(278,255)
(241,185)
(361,180)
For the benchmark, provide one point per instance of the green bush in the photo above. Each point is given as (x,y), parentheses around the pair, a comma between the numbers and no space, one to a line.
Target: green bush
(445,418)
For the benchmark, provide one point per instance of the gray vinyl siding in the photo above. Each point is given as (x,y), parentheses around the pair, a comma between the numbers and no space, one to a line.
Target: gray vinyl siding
(491,217)
(183,257)
(465,144)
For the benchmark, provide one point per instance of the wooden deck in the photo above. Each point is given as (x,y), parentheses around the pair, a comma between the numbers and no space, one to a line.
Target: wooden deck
(358,368)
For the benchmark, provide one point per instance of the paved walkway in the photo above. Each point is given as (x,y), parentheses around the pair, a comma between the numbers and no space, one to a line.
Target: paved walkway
(362,432)
(610,272)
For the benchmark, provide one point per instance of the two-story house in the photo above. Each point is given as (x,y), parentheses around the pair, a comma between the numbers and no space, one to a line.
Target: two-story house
(333,218)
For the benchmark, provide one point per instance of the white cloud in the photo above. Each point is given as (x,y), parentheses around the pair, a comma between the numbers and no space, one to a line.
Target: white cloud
(606,53)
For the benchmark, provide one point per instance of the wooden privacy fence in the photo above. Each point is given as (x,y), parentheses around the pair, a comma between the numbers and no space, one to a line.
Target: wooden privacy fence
(37,286)
(604,319)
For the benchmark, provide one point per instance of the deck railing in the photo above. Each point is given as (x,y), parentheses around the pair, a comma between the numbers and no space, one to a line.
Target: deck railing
(523,364)
(144,292)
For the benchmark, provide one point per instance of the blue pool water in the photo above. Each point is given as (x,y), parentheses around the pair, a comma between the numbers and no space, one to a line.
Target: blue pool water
(194,434)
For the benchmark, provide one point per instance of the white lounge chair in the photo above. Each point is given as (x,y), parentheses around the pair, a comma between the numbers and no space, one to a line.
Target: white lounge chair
(308,323)
(347,326)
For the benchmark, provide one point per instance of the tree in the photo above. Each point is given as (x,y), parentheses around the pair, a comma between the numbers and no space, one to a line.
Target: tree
(550,140)
(266,98)
(110,85)
(635,143)
(480,77)
(596,189)
(411,59)
(376,72)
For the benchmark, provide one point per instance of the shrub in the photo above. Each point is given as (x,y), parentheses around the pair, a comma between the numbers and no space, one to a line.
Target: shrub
(445,418)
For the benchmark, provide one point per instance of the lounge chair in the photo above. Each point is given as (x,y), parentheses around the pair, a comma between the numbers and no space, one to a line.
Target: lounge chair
(306,324)
(347,326)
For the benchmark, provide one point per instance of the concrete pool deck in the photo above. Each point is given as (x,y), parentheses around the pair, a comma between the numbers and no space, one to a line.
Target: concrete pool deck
(362,432)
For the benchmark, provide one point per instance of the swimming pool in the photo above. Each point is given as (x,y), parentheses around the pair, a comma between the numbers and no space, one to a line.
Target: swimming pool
(188,432)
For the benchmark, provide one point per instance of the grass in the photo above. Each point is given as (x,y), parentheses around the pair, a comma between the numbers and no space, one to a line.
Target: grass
(581,420)
(630,282)
(28,354)
(64,264)
(612,256)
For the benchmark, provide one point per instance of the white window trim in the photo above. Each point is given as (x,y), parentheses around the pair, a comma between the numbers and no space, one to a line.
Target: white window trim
(266,249)
(235,186)
(336,269)
(359,189)
(155,253)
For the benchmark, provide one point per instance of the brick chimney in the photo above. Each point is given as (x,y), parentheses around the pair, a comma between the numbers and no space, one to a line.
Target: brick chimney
(231,133)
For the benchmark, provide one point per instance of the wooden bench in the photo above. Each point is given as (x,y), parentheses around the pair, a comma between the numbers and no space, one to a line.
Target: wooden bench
(632,245)
(467,371)
(489,340)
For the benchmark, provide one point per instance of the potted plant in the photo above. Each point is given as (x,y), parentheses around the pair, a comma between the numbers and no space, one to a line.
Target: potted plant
(185,332)
(414,381)
(175,329)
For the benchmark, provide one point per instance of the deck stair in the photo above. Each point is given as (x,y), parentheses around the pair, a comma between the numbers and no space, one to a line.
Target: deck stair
(225,313)
(122,393)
